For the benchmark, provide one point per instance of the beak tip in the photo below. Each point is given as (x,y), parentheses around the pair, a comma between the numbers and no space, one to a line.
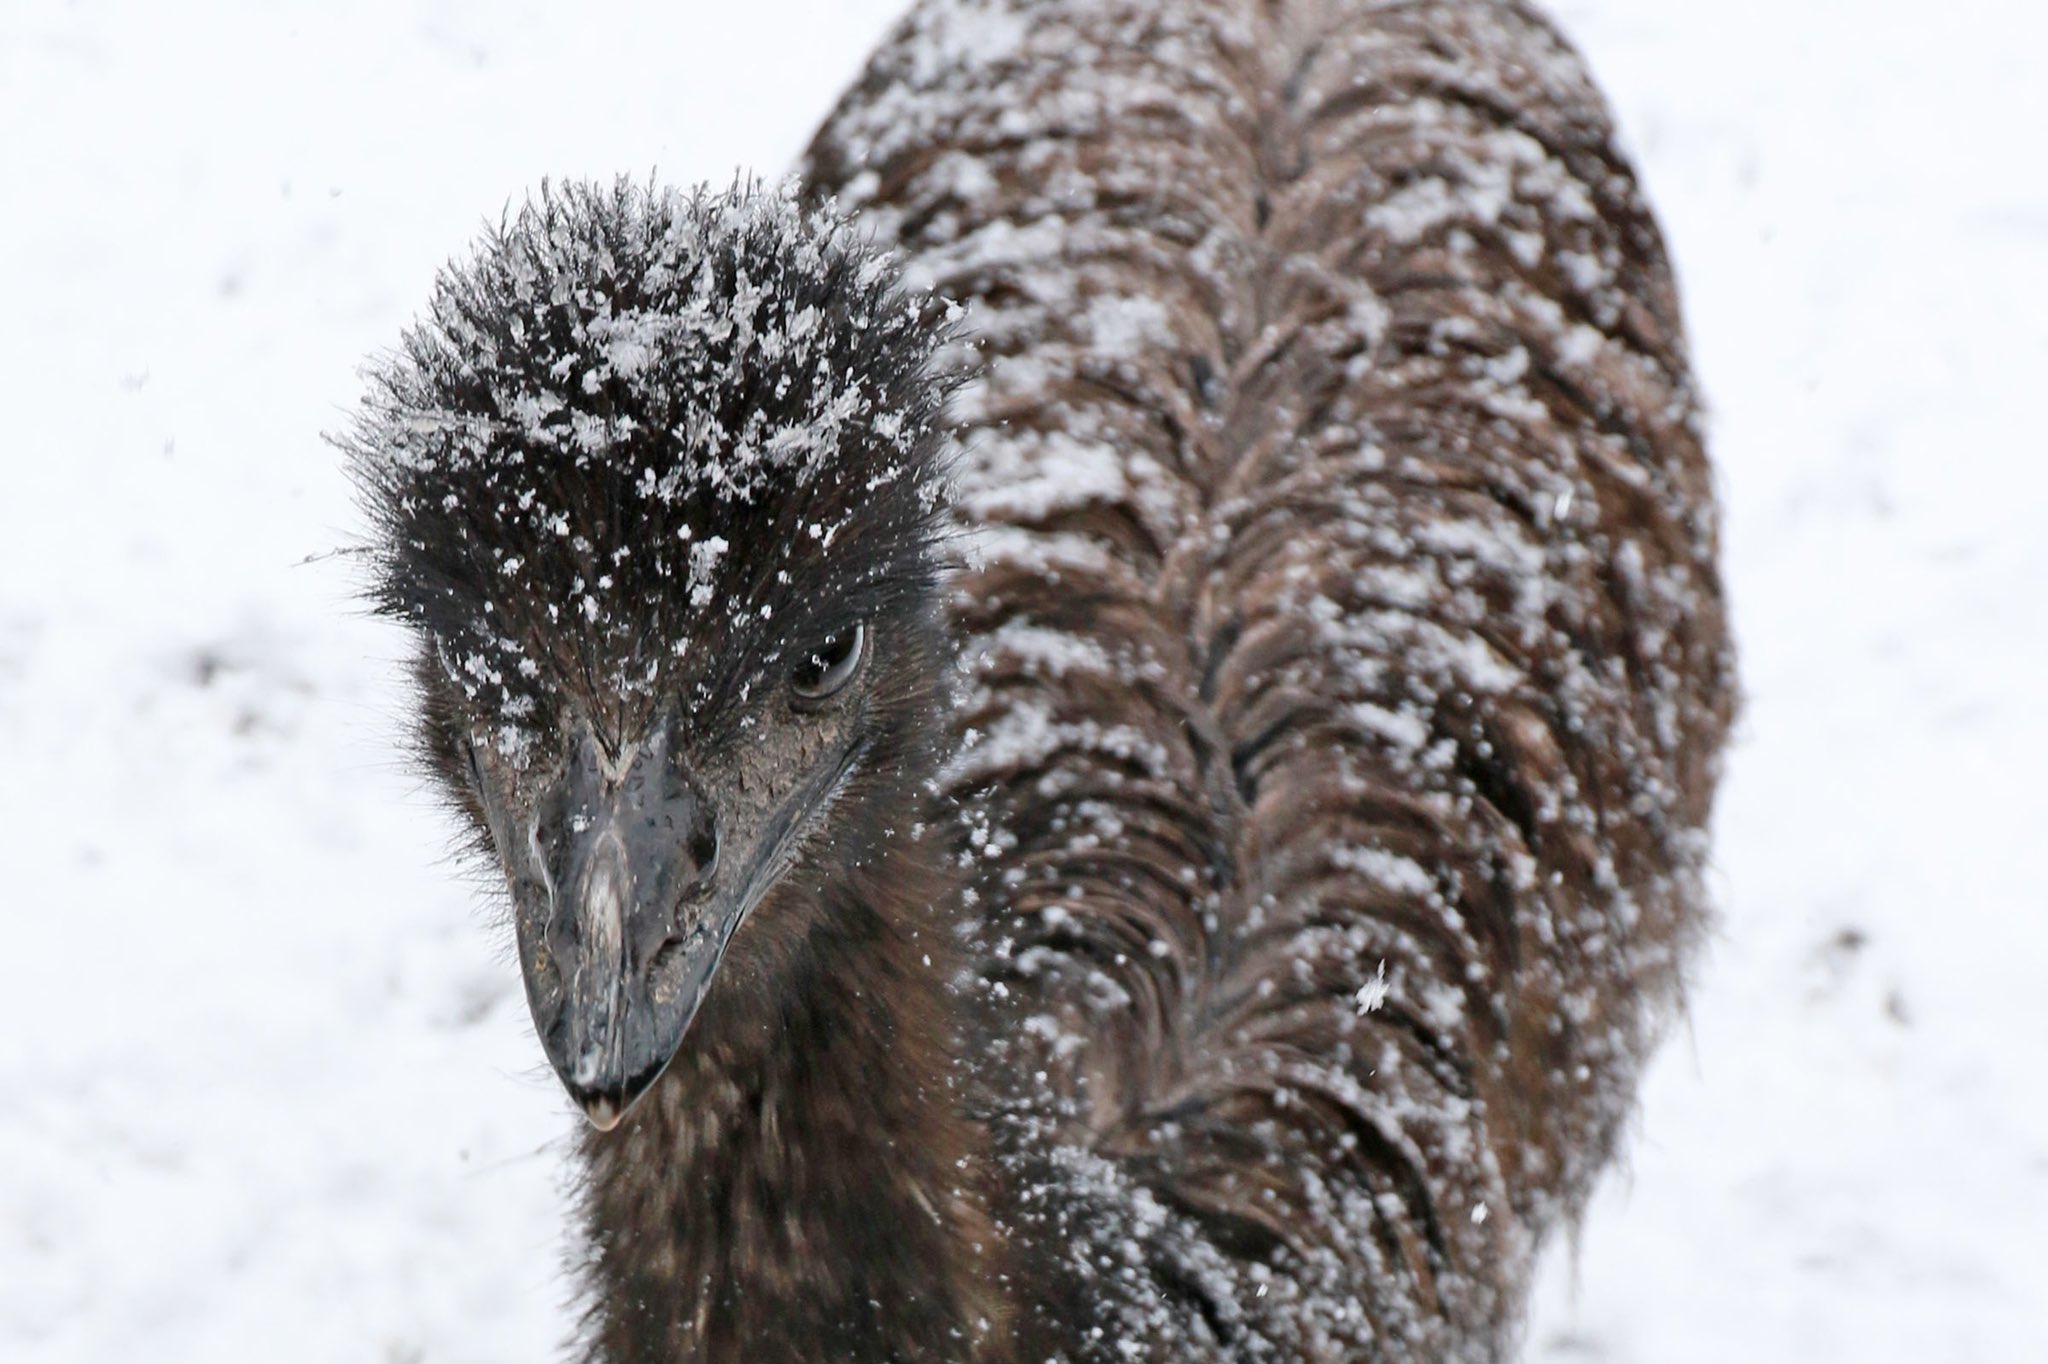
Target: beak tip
(602,1094)
(603,1111)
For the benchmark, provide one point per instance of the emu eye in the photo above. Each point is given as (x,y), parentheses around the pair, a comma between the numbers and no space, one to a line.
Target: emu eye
(830,664)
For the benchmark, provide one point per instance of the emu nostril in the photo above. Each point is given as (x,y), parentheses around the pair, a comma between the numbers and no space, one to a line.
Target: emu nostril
(704,853)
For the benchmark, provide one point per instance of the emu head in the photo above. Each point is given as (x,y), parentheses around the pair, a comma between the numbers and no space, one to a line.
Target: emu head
(656,483)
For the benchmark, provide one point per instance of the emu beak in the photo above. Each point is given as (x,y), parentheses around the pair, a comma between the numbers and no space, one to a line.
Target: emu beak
(620,932)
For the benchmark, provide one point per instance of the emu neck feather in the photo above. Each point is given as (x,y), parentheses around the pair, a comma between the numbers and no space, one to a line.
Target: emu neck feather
(798,1185)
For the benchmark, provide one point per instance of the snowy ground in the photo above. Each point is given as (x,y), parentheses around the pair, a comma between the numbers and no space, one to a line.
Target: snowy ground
(266,1085)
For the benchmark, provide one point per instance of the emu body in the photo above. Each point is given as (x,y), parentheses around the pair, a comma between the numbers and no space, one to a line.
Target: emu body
(1158,821)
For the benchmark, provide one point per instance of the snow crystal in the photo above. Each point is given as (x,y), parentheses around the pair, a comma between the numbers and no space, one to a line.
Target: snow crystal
(1373,994)
(704,559)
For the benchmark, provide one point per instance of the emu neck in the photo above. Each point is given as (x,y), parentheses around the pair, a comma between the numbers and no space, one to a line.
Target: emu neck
(800,1184)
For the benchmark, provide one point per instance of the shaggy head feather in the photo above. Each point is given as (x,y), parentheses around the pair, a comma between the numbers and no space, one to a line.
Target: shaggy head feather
(630,429)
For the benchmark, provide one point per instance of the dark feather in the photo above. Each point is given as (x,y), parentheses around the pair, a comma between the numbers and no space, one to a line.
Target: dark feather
(1348,604)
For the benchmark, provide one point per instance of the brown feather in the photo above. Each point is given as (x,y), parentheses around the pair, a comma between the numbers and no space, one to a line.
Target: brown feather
(1344,599)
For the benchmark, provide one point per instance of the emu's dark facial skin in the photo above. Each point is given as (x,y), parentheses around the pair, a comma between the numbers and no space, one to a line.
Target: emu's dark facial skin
(633,863)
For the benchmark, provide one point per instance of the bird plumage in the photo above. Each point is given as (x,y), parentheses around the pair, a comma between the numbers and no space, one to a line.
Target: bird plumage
(1348,598)
(1253,956)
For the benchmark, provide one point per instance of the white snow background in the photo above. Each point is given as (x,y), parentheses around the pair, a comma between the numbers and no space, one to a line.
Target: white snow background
(267,1087)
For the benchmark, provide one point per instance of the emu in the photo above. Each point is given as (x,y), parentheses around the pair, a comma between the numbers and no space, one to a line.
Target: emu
(1100,721)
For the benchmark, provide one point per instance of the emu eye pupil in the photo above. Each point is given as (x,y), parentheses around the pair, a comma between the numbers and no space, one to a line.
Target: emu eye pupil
(830,664)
